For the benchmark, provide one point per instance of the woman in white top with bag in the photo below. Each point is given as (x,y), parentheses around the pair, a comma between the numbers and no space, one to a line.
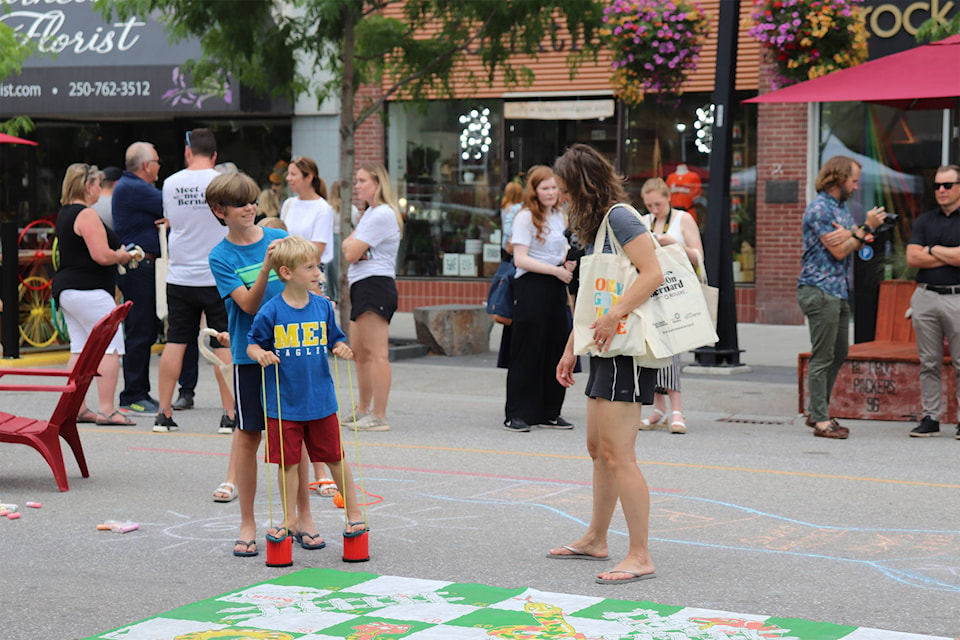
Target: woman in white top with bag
(670,226)
(539,329)
(308,214)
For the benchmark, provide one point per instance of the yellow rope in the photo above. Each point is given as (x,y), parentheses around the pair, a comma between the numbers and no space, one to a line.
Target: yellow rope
(353,411)
(356,441)
(280,429)
(283,476)
(263,404)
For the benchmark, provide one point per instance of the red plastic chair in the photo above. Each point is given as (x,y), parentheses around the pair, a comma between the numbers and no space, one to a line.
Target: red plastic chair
(43,435)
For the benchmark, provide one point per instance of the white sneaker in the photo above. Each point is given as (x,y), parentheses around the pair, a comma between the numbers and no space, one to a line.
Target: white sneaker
(369,422)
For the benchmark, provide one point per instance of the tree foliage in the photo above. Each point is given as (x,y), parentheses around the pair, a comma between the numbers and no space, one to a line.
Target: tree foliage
(411,48)
(933,29)
(13,53)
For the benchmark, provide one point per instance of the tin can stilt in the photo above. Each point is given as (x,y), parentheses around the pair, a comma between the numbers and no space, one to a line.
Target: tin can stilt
(356,547)
(280,554)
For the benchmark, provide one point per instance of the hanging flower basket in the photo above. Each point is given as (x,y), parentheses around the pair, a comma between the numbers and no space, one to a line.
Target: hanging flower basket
(654,44)
(810,38)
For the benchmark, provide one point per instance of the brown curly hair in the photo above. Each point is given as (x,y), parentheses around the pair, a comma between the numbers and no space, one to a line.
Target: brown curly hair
(592,187)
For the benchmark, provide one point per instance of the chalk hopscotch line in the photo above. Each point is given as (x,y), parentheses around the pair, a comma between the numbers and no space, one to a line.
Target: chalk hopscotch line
(921,558)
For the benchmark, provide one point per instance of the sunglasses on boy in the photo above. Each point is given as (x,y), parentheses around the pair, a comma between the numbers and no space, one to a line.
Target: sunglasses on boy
(239,205)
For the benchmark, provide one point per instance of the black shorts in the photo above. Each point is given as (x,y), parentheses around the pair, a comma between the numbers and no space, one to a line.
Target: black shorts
(377,294)
(247,391)
(184,308)
(612,379)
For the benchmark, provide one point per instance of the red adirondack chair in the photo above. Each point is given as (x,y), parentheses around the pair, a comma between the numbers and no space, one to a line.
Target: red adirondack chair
(44,435)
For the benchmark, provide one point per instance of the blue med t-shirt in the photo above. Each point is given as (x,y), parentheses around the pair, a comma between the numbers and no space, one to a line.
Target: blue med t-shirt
(300,338)
(234,265)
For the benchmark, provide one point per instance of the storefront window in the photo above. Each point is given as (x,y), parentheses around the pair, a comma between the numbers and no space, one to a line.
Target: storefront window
(446,160)
(674,144)
(32,176)
(899,153)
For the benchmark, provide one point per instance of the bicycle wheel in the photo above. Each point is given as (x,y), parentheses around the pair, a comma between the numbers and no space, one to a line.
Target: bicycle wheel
(36,317)
(36,240)
(56,316)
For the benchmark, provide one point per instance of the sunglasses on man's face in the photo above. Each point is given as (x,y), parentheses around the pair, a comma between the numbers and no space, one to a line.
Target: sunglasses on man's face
(943,185)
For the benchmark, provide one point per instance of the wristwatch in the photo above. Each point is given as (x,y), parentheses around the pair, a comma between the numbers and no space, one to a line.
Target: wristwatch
(930,249)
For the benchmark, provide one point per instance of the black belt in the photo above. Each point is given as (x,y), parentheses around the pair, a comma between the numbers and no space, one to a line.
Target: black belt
(944,290)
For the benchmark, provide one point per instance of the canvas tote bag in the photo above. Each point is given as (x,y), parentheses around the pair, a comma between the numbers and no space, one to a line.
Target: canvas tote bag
(161,266)
(710,294)
(676,316)
(604,277)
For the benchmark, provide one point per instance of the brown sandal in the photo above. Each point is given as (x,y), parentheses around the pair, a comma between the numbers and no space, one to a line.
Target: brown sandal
(833,431)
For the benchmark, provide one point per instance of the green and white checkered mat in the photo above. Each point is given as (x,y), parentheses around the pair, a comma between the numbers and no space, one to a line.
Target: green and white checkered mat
(324,604)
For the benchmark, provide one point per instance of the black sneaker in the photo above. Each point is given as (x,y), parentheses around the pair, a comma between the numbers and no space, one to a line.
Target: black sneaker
(957,437)
(556,423)
(515,424)
(163,424)
(928,427)
(226,424)
(184,401)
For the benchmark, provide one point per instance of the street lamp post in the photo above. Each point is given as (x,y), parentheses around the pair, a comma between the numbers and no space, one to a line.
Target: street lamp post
(718,242)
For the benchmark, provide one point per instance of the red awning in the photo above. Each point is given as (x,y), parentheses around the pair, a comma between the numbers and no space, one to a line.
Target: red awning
(7,139)
(925,77)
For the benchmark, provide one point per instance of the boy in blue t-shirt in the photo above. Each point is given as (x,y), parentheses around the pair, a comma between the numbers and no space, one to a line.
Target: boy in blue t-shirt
(294,331)
(241,269)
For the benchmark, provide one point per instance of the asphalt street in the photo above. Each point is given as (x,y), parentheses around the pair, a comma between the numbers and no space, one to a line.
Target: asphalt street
(750,514)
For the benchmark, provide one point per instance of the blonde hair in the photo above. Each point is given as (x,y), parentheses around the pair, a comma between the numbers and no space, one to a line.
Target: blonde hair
(293,251)
(273,223)
(268,203)
(75,182)
(385,193)
(655,185)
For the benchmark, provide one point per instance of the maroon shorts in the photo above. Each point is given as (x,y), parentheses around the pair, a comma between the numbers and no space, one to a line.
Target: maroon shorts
(322,438)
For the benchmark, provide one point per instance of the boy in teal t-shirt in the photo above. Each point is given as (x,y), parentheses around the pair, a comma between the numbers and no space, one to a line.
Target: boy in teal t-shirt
(294,331)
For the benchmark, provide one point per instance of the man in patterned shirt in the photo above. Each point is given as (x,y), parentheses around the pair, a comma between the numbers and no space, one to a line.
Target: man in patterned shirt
(829,239)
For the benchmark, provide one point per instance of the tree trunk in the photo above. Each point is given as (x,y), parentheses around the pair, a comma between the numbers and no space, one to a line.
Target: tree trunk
(347,154)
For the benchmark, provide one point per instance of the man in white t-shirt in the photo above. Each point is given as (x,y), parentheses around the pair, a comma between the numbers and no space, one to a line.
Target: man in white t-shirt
(191,289)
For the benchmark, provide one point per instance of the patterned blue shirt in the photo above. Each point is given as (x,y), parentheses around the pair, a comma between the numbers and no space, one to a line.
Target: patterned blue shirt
(820,269)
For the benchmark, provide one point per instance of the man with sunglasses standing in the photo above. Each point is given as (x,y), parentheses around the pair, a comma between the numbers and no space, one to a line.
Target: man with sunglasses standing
(191,290)
(934,249)
(137,206)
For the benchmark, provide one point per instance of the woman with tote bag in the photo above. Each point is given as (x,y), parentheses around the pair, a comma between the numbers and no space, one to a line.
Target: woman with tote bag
(615,388)
(670,226)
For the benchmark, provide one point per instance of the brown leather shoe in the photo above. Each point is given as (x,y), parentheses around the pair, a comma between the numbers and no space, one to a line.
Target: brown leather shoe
(833,431)
(833,421)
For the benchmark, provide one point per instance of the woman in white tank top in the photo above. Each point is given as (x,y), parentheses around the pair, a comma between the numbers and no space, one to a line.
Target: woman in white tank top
(670,226)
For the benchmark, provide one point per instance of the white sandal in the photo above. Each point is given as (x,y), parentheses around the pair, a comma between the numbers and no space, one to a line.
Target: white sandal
(227,488)
(649,424)
(677,425)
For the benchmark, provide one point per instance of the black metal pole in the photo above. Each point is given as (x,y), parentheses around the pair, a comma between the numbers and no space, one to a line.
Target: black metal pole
(9,331)
(718,242)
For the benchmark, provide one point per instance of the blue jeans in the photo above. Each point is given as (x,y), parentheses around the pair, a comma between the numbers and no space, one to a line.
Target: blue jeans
(829,321)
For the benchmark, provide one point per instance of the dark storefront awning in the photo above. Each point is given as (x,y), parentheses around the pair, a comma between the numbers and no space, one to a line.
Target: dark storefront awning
(925,77)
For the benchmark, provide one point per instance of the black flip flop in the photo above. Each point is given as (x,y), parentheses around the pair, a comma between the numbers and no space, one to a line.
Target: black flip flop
(247,553)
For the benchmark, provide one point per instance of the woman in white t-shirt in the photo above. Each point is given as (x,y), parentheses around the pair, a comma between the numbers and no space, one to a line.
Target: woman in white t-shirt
(308,214)
(670,226)
(539,328)
(371,251)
